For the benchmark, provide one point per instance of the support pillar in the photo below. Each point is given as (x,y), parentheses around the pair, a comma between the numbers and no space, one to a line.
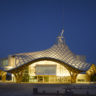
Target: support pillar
(18,76)
(73,75)
(3,76)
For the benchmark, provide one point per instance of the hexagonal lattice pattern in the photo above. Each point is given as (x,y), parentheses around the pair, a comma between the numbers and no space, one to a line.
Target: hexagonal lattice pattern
(59,51)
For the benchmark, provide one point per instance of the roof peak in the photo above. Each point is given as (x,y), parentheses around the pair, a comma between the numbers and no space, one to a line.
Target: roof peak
(61,37)
(62,32)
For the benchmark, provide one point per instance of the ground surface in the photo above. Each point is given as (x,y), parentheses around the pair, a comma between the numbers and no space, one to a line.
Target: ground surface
(26,89)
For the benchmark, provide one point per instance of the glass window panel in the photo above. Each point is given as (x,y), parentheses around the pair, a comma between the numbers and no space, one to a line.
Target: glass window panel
(46,70)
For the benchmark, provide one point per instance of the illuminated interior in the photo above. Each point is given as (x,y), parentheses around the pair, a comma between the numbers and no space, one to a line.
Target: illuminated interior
(46,72)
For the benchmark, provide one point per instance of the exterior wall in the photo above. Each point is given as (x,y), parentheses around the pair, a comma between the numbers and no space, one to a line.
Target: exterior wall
(3,63)
(61,75)
(83,78)
(7,63)
(11,61)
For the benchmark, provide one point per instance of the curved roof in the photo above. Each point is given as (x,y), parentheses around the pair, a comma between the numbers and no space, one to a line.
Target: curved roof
(59,51)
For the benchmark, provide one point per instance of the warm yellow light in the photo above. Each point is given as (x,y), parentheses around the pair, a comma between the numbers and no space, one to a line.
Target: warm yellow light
(60,69)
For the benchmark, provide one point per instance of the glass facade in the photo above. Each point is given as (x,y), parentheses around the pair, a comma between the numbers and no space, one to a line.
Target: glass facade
(46,72)
(3,62)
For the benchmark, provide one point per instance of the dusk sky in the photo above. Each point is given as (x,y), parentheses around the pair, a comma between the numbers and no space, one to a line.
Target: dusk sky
(33,25)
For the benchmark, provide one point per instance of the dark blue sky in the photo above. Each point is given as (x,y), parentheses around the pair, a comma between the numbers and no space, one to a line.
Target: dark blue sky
(33,25)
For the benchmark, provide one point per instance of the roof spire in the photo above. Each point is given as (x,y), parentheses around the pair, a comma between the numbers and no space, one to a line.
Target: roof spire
(61,38)
(62,32)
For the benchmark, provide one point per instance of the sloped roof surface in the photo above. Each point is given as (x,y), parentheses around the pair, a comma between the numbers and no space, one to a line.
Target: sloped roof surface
(59,51)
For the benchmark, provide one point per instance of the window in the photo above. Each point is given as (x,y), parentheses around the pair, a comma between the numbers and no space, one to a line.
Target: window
(46,70)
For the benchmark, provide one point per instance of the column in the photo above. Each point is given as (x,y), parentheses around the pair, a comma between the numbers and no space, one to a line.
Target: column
(18,76)
(3,76)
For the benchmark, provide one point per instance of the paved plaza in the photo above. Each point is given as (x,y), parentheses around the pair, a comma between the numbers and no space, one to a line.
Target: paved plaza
(29,89)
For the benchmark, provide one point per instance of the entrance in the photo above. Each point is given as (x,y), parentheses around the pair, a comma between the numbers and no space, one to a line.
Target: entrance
(50,79)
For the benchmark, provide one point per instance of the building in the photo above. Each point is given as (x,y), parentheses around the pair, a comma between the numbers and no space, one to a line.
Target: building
(54,65)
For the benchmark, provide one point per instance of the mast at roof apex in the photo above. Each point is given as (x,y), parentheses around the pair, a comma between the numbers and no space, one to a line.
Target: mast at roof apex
(62,32)
(61,38)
